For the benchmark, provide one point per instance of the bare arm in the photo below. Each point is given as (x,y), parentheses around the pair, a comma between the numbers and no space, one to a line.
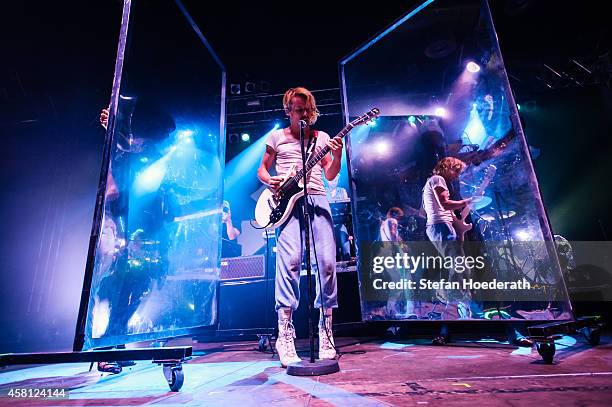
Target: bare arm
(331,162)
(263,171)
(104,118)
(447,203)
(232,232)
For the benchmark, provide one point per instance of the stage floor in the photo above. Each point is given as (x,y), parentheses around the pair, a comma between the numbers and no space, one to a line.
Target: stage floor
(378,373)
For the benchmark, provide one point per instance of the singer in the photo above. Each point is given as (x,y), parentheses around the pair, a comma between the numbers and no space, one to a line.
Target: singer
(283,148)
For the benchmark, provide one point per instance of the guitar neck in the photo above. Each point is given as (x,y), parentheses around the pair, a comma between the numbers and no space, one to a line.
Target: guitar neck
(319,156)
(481,188)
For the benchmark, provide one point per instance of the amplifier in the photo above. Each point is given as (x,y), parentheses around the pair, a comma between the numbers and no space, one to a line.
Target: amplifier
(239,268)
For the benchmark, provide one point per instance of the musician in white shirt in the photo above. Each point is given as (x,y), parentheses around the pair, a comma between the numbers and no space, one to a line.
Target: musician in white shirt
(439,209)
(334,192)
(283,148)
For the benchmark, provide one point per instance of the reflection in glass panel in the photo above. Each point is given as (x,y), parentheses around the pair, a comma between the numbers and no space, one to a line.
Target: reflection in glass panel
(157,260)
(444,96)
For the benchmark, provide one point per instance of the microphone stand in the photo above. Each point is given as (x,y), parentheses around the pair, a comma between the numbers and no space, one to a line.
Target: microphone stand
(311,367)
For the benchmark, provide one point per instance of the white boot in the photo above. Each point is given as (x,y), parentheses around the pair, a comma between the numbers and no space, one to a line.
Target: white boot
(326,338)
(284,343)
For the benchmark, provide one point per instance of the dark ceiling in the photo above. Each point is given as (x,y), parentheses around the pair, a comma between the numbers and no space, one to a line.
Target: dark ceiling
(50,47)
(289,43)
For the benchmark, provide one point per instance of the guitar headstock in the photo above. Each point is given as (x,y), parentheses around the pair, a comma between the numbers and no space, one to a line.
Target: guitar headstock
(366,118)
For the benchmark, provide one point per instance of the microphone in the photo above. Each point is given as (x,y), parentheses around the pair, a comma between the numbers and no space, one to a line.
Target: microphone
(303,124)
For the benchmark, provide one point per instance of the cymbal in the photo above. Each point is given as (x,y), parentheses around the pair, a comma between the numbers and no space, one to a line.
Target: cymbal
(480,202)
(489,217)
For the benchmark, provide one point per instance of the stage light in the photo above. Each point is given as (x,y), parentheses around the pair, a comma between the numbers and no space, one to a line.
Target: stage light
(134,322)
(522,235)
(240,172)
(100,318)
(518,106)
(276,126)
(185,133)
(151,178)
(245,137)
(249,87)
(496,314)
(185,137)
(381,147)
(235,89)
(264,86)
(473,67)
(474,132)
(440,112)
(411,119)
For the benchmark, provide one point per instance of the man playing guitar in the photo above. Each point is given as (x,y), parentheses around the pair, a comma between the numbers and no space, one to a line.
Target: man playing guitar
(437,203)
(283,148)
(439,209)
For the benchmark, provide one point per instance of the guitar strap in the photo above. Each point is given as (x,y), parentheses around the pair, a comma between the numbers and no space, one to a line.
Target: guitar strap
(310,146)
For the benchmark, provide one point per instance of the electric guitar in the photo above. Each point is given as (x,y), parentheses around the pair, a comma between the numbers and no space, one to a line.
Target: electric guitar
(491,151)
(459,224)
(274,207)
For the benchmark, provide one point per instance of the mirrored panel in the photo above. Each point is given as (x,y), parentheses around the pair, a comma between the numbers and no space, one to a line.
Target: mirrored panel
(448,215)
(157,259)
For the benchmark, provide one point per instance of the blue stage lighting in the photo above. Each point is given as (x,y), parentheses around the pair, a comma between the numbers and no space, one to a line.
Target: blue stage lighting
(474,132)
(245,137)
(184,134)
(440,111)
(151,178)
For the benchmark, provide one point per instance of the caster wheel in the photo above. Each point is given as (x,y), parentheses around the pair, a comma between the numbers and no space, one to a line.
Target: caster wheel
(592,335)
(174,376)
(264,343)
(547,351)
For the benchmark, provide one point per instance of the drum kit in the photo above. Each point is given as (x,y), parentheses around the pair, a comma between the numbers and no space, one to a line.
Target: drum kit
(492,220)
(493,224)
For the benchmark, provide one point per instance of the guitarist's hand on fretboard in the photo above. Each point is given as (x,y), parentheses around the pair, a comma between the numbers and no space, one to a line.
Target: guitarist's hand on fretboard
(274,205)
(275,182)
(335,144)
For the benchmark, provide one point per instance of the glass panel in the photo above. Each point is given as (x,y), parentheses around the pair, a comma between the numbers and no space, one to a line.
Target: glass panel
(157,260)
(439,80)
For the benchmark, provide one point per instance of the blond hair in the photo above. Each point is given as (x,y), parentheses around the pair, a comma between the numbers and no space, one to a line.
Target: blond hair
(447,163)
(311,103)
